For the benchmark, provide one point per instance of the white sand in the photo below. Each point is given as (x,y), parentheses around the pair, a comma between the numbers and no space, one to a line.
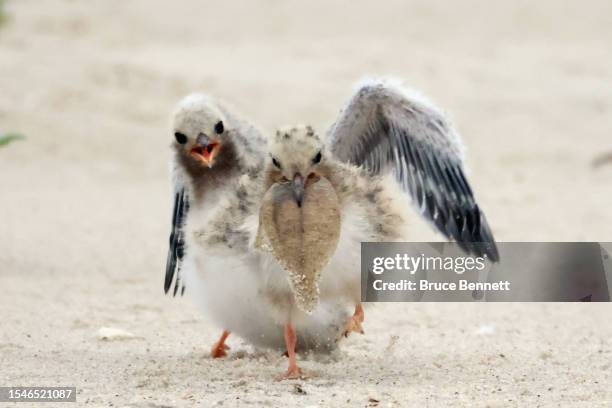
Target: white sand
(85,207)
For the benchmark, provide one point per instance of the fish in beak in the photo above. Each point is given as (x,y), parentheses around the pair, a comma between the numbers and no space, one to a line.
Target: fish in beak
(302,239)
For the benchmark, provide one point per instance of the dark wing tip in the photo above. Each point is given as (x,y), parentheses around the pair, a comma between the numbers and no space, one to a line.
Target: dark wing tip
(176,244)
(442,193)
(485,242)
(170,267)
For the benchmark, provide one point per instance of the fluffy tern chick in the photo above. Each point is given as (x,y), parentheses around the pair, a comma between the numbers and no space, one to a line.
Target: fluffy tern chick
(388,146)
(218,187)
(212,150)
(315,214)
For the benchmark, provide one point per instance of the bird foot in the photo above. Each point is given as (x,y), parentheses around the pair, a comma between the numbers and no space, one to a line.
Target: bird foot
(218,349)
(354,322)
(292,373)
(353,325)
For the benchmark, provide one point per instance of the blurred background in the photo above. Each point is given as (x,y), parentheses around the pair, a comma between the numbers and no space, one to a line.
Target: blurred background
(85,206)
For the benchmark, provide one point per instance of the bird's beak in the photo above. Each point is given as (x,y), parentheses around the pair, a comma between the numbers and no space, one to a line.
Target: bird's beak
(205,149)
(298,188)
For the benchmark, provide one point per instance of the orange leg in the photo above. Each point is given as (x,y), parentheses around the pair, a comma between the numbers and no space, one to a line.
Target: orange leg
(354,322)
(218,349)
(293,371)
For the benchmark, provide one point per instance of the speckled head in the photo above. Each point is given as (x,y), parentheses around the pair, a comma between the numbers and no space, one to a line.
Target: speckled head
(296,156)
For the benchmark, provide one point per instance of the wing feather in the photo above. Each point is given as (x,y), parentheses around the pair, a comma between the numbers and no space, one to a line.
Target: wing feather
(176,249)
(385,128)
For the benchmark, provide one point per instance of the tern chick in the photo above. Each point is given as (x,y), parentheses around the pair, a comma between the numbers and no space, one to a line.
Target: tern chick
(387,147)
(213,149)
(218,189)
(312,220)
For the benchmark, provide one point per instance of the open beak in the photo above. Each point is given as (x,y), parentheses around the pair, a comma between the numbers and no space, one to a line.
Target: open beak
(205,149)
(298,189)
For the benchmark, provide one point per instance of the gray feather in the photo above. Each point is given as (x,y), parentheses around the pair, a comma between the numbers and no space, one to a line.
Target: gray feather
(176,249)
(384,129)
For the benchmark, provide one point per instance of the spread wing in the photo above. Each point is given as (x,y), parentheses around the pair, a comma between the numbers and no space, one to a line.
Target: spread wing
(176,249)
(385,128)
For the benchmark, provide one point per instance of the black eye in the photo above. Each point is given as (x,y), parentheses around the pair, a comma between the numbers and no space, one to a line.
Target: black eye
(219,127)
(276,163)
(180,138)
(317,158)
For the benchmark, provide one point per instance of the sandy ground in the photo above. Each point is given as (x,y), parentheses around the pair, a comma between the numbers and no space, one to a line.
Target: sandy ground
(85,209)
